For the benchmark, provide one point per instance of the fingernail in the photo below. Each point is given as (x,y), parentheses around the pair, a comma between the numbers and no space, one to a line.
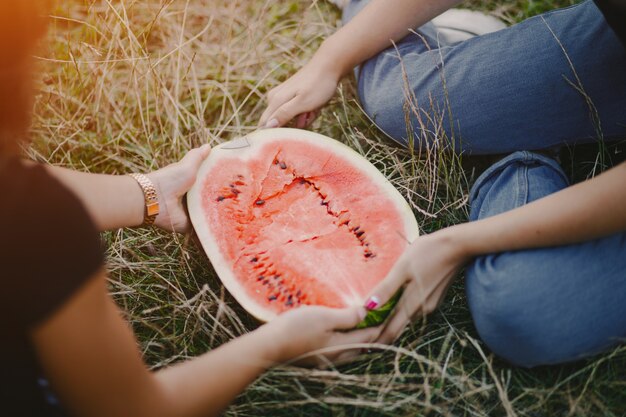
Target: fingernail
(372,302)
(271,124)
(362,313)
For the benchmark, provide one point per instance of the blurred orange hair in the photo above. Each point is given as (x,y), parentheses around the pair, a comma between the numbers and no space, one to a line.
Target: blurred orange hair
(22,23)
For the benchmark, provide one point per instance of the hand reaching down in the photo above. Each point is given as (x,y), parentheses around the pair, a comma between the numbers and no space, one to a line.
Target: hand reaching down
(301,96)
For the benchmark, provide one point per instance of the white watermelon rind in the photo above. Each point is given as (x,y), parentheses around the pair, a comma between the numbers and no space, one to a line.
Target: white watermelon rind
(201,226)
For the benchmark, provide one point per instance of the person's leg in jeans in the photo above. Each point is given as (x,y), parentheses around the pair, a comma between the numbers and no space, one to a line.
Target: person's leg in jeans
(549,305)
(505,91)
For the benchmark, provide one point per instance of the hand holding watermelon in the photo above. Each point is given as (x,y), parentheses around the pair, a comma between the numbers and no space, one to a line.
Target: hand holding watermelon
(172,183)
(314,335)
(425,271)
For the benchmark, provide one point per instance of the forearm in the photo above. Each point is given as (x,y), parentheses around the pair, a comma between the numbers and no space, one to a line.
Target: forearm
(212,381)
(582,212)
(374,29)
(113,201)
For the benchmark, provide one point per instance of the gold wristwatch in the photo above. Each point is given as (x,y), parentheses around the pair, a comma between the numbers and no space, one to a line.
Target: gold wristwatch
(150,197)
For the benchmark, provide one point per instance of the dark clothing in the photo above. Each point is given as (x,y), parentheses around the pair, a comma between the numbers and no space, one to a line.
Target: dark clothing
(615,14)
(49,248)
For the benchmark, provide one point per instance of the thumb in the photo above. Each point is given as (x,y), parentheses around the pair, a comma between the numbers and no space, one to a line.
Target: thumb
(386,289)
(205,150)
(195,156)
(345,318)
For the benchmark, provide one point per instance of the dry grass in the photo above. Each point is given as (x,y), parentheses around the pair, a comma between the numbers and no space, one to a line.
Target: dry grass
(131,85)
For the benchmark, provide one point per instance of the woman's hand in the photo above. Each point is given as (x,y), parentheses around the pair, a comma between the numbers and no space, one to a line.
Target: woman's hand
(315,335)
(425,271)
(172,182)
(302,94)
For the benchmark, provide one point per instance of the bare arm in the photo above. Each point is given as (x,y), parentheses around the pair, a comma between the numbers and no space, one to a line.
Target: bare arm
(115,201)
(582,212)
(90,355)
(374,29)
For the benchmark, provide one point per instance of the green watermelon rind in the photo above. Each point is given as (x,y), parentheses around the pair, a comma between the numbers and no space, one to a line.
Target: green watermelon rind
(244,148)
(378,316)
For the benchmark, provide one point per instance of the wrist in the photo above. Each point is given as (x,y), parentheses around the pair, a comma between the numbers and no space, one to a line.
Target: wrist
(269,344)
(135,206)
(459,241)
(151,203)
(332,58)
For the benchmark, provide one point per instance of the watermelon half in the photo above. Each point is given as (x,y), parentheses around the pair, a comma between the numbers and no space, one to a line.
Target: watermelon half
(289,217)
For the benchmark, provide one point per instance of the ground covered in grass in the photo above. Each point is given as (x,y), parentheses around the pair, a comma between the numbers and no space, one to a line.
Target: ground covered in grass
(132,85)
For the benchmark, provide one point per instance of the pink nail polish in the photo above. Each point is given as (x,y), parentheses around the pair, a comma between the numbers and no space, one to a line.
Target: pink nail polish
(372,303)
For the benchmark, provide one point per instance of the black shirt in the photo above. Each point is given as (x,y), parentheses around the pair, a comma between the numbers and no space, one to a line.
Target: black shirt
(48,249)
(615,13)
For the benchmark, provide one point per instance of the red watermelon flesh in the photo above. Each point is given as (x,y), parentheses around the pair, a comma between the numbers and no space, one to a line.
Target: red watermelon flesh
(290,218)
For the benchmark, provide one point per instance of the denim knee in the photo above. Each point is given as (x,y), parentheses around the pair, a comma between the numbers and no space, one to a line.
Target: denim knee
(508,316)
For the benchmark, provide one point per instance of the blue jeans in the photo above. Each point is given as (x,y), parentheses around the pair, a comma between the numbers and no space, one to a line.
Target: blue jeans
(548,305)
(502,92)
(511,91)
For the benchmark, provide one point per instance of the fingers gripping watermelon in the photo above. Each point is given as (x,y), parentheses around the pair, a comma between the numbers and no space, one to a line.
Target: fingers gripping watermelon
(289,217)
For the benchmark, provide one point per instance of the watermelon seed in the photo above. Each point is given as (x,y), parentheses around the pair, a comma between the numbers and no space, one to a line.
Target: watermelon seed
(275,161)
(220,198)
(324,203)
(271,298)
(255,259)
(260,278)
(283,165)
(359,234)
(260,202)
(356,229)
(302,181)
(236,191)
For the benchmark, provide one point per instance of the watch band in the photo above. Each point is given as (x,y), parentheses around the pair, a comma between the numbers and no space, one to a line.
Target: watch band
(150,197)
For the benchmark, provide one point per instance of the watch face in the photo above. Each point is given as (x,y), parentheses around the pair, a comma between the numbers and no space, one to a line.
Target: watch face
(152,209)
